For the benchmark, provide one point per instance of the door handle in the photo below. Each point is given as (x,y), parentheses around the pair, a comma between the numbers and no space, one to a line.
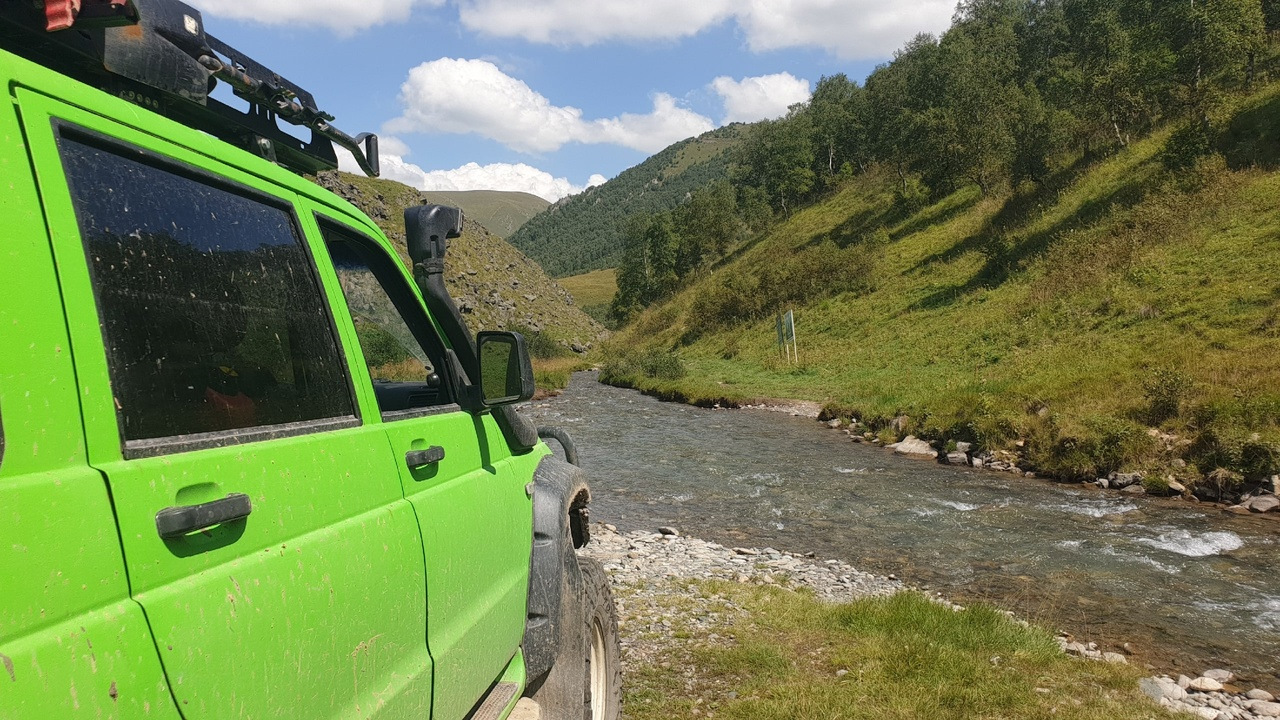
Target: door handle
(175,522)
(418,458)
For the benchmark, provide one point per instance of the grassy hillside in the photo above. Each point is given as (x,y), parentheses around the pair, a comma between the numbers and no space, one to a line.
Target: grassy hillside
(582,232)
(593,292)
(501,213)
(1115,317)
(495,286)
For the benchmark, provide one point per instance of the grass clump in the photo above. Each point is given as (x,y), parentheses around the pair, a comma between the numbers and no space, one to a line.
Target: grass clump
(904,656)
(624,368)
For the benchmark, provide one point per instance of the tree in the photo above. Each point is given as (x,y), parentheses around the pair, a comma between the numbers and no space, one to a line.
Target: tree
(708,225)
(839,112)
(778,158)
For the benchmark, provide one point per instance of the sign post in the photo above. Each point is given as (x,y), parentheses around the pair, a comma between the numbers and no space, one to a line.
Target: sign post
(787,336)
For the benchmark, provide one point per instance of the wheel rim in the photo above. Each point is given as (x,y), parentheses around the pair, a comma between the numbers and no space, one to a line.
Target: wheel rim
(599,673)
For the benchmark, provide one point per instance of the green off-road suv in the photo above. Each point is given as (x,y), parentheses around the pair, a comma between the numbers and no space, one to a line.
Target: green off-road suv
(250,467)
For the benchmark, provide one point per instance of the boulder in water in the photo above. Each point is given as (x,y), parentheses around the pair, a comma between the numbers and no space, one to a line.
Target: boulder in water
(914,447)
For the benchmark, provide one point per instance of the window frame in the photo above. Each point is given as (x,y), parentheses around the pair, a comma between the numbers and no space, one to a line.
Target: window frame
(67,131)
(403,295)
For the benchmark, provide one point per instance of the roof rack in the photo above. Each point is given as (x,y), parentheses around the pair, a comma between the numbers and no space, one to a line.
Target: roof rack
(157,54)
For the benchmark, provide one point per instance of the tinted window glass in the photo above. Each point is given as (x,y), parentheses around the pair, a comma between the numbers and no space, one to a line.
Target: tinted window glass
(210,310)
(402,356)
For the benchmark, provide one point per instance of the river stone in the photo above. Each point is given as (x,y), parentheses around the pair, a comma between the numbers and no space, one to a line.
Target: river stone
(957,458)
(1151,688)
(1222,676)
(1238,510)
(1103,483)
(1124,480)
(1256,694)
(1177,488)
(1264,503)
(669,531)
(914,447)
(1263,708)
(1115,658)
(1135,490)
(1205,684)
(964,447)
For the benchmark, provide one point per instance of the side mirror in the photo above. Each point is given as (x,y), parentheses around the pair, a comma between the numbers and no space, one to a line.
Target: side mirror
(506,373)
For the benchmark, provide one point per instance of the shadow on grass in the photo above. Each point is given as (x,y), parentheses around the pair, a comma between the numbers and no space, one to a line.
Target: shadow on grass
(1006,254)
(1252,139)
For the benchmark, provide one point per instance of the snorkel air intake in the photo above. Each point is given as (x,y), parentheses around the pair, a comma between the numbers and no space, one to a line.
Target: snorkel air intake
(428,229)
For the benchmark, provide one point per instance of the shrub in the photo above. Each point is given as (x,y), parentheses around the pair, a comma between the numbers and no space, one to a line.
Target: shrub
(540,344)
(626,367)
(1186,146)
(1165,389)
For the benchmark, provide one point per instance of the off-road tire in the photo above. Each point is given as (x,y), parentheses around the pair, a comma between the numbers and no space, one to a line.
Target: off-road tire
(603,682)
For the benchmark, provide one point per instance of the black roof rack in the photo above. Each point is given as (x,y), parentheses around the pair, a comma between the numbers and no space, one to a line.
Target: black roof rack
(157,54)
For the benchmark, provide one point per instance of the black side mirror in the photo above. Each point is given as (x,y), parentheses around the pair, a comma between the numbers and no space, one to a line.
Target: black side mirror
(506,373)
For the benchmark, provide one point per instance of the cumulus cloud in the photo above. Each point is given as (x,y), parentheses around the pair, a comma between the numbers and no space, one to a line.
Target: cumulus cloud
(473,96)
(342,16)
(760,98)
(851,29)
(573,22)
(517,177)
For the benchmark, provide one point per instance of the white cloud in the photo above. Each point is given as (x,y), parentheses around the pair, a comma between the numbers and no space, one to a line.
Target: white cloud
(517,177)
(502,108)
(342,16)
(851,29)
(760,98)
(573,22)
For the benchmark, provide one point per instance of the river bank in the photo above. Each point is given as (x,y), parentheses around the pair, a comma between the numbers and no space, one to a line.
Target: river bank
(1186,585)
(1170,476)
(677,614)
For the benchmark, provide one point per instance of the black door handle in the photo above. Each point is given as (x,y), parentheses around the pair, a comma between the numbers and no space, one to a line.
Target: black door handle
(418,458)
(175,522)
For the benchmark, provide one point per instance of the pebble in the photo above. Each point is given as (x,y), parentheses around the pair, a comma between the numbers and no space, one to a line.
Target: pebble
(1204,696)
(646,570)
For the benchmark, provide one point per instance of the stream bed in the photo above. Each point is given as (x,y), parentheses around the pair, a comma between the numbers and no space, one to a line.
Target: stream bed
(1191,587)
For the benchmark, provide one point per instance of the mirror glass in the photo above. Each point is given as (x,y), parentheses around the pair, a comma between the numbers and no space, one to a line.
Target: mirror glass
(501,369)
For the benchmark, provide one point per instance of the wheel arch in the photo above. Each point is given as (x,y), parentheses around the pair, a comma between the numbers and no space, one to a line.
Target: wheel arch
(561,496)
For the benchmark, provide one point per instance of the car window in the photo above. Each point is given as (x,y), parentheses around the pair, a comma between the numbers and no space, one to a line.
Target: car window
(210,309)
(400,347)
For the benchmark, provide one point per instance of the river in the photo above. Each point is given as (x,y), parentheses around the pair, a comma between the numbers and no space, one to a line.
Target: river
(1191,587)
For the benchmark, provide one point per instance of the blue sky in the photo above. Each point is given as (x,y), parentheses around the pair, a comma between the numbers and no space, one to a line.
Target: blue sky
(549,96)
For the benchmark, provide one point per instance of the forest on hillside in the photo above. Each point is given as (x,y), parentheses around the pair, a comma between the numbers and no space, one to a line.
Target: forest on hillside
(1014,93)
(583,232)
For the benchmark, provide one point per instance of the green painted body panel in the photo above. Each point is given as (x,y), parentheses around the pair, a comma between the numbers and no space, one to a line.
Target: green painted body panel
(476,521)
(357,587)
(72,643)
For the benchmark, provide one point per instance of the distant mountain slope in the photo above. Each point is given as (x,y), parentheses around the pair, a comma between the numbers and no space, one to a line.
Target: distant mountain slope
(581,233)
(494,285)
(501,213)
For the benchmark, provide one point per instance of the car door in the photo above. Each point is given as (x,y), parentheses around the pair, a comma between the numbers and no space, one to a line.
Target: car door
(72,642)
(263,525)
(474,512)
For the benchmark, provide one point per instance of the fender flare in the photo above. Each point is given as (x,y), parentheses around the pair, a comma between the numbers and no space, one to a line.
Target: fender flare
(560,499)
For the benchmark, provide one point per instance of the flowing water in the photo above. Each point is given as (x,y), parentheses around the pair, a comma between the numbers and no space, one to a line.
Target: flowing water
(1192,587)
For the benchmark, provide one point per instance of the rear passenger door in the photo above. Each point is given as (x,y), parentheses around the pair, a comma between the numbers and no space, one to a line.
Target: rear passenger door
(264,529)
(474,512)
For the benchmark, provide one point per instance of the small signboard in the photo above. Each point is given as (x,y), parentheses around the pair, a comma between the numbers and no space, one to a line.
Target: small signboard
(787,336)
